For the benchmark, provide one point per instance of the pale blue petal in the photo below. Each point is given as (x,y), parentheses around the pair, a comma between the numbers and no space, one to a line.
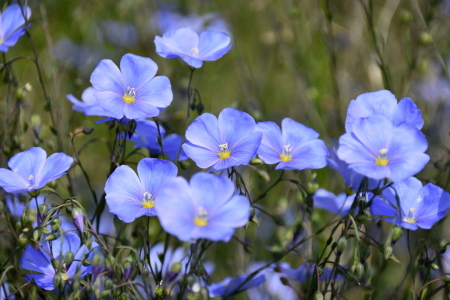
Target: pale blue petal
(12,182)
(328,201)
(309,155)
(172,144)
(234,125)
(35,260)
(213,45)
(295,134)
(210,191)
(406,139)
(374,132)
(12,18)
(204,158)
(29,162)
(381,103)
(407,112)
(67,242)
(178,41)
(43,281)
(13,37)
(192,61)
(271,144)
(77,104)
(157,92)
(127,209)
(381,208)
(204,132)
(154,173)
(107,77)
(137,71)
(234,213)
(212,232)
(407,165)
(55,166)
(112,103)
(140,109)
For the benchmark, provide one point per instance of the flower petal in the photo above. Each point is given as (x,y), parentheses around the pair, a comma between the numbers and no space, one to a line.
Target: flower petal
(204,132)
(310,155)
(108,78)
(43,281)
(271,144)
(154,173)
(12,182)
(210,191)
(234,125)
(204,158)
(137,71)
(407,112)
(55,166)
(213,45)
(34,260)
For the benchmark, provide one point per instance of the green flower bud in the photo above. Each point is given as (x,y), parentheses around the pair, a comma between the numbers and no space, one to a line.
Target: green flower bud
(363,219)
(318,295)
(341,244)
(52,236)
(123,297)
(176,268)
(358,270)
(43,208)
(256,161)
(87,130)
(97,260)
(387,252)
(109,284)
(34,194)
(190,280)
(159,291)
(23,240)
(45,231)
(406,16)
(396,233)
(249,248)
(104,294)
(69,257)
(87,262)
(263,175)
(36,235)
(446,278)
(425,38)
(434,266)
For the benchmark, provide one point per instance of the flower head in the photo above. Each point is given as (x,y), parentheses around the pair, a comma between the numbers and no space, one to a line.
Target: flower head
(296,147)
(419,206)
(132,91)
(31,170)
(204,208)
(89,106)
(11,21)
(146,135)
(377,149)
(185,43)
(40,261)
(383,103)
(129,196)
(230,287)
(221,143)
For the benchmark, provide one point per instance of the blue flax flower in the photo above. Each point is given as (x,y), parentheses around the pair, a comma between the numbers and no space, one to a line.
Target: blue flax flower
(40,261)
(221,143)
(185,43)
(132,91)
(383,103)
(296,147)
(230,287)
(11,21)
(89,106)
(339,204)
(146,135)
(31,170)
(419,206)
(377,149)
(129,196)
(204,208)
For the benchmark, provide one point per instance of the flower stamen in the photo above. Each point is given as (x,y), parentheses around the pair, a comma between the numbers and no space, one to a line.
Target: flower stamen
(148,201)
(224,152)
(128,97)
(382,159)
(201,219)
(286,154)
(410,218)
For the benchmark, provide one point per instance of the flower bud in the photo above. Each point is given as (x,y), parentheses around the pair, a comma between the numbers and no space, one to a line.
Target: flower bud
(446,278)
(123,297)
(128,268)
(406,16)
(341,244)
(190,280)
(256,161)
(43,208)
(52,236)
(36,235)
(34,194)
(358,270)
(387,252)
(263,175)
(86,262)
(396,234)
(87,130)
(363,219)
(425,38)
(109,262)
(56,223)
(284,281)
(318,295)
(23,240)
(78,218)
(249,248)
(159,291)
(68,257)
(176,268)
(109,284)
(45,230)
(440,166)
(434,266)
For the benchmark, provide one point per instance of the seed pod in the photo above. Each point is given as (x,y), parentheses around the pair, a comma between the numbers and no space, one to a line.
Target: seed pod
(68,257)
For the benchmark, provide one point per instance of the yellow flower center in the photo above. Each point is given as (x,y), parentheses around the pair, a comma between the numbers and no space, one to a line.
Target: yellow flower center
(286,154)
(195,50)
(201,219)
(64,276)
(410,218)
(147,201)
(382,159)
(224,152)
(128,97)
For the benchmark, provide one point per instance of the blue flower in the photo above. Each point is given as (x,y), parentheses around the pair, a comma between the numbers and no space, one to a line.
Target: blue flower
(11,21)
(383,103)
(191,47)
(132,91)
(419,206)
(377,149)
(204,208)
(119,34)
(89,106)
(339,204)
(40,261)
(297,147)
(221,143)
(146,135)
(129,196)
(228,286)
(31,170)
